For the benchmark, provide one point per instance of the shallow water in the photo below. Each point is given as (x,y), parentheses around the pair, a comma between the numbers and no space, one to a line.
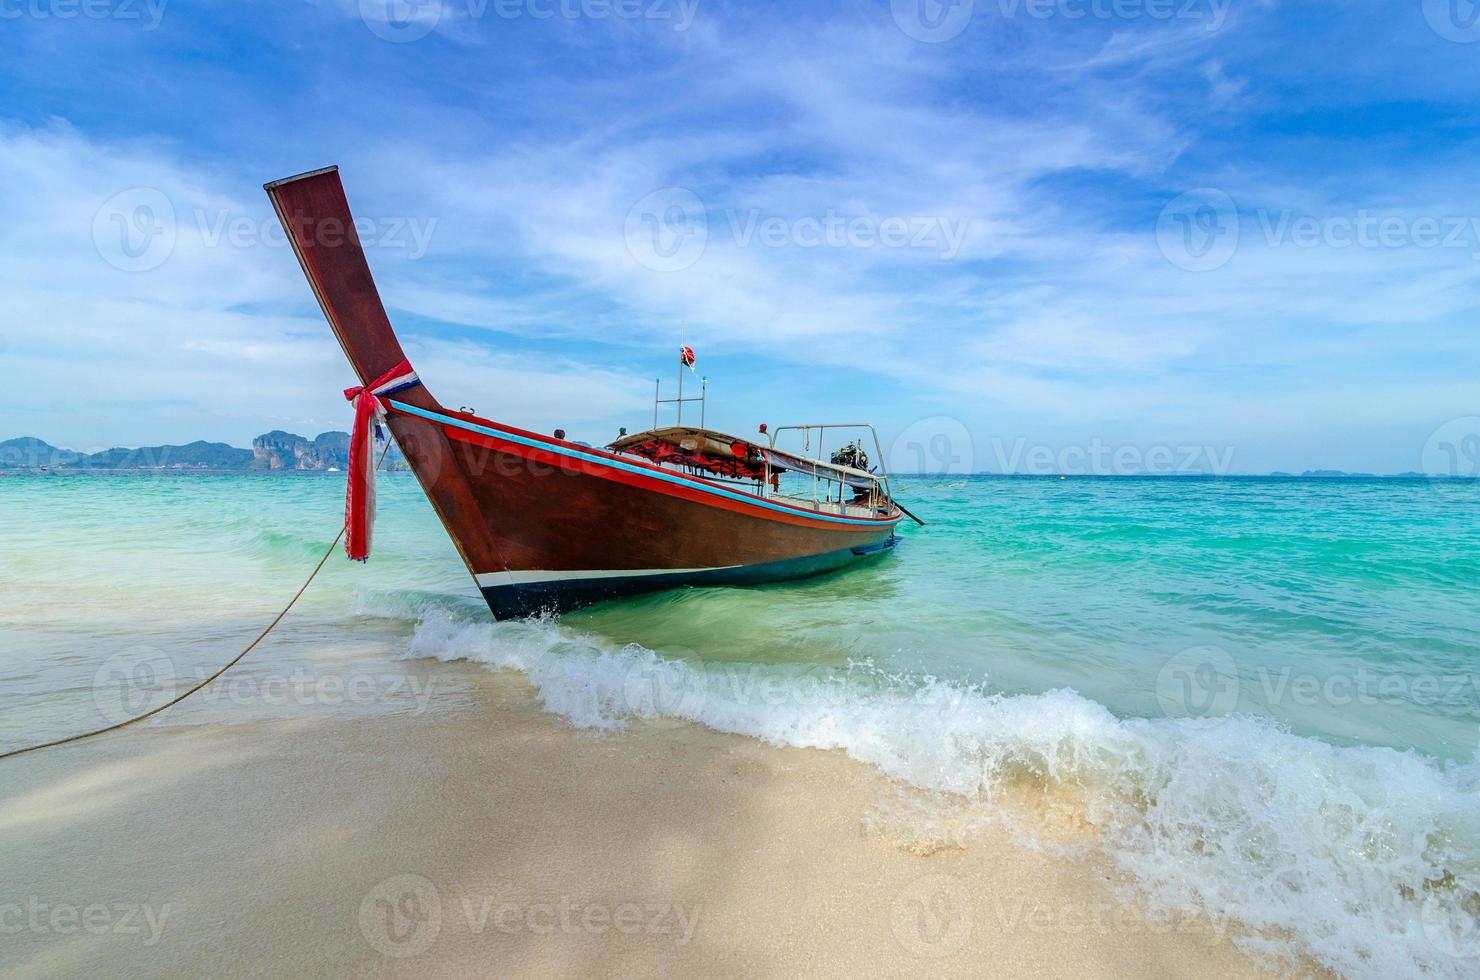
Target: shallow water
(1264,693)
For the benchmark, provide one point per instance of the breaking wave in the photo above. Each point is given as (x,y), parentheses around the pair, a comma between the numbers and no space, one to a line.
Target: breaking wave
(1365,859)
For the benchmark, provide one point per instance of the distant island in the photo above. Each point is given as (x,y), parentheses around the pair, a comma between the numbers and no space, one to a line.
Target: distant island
(1344,475)
(274,451)
(279,451)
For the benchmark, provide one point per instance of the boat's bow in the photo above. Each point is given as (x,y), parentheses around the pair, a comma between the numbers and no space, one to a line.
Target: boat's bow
(542,522)
(315,215)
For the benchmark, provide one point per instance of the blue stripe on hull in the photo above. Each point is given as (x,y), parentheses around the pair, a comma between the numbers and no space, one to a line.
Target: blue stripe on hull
(515,601)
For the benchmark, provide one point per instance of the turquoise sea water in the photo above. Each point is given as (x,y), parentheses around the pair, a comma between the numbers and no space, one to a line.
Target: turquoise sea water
(1264,693)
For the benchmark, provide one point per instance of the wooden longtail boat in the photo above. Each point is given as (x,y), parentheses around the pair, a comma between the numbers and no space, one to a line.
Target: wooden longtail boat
(546,523)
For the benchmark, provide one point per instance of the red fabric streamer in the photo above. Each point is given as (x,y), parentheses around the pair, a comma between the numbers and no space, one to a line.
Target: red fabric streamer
(359,492)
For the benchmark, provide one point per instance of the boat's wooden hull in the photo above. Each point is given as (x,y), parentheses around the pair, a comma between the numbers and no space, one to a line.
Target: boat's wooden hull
(543,523)
(571,524)
(530,598)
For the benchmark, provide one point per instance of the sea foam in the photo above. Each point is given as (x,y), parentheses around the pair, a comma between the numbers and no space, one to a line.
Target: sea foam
(1365,859)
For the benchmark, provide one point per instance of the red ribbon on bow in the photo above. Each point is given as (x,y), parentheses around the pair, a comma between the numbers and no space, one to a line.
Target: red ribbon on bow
(359,491)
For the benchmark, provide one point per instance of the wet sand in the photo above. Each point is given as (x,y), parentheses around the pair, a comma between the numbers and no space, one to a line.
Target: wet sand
(486,837)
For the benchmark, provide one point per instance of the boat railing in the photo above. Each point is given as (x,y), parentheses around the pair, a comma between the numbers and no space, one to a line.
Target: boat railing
(879,492)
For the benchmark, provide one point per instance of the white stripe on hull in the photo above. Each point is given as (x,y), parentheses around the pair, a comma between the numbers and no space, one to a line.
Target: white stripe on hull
(537,576)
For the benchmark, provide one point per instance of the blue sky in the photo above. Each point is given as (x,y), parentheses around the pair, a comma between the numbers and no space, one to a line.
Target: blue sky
(1040,235)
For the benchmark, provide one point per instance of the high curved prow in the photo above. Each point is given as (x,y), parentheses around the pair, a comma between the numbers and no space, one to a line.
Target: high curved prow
(315,215)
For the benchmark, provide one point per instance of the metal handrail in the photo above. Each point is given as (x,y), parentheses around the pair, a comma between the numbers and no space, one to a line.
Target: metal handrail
(881,480)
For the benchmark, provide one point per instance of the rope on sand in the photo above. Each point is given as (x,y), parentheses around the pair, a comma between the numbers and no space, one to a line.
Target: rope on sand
(229,664)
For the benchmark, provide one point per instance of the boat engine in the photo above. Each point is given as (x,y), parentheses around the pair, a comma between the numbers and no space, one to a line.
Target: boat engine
(851,455)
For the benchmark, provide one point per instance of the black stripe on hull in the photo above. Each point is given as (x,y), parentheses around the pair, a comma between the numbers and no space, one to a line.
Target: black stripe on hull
(533,598)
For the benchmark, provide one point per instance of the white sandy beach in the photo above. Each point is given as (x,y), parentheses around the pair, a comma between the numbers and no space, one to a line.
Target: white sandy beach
(486,837)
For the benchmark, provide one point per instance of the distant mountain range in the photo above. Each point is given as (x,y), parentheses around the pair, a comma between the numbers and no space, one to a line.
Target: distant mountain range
(271,451)
(287,451)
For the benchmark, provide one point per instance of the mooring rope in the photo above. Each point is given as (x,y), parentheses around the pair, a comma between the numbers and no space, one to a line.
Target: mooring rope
(229,664)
